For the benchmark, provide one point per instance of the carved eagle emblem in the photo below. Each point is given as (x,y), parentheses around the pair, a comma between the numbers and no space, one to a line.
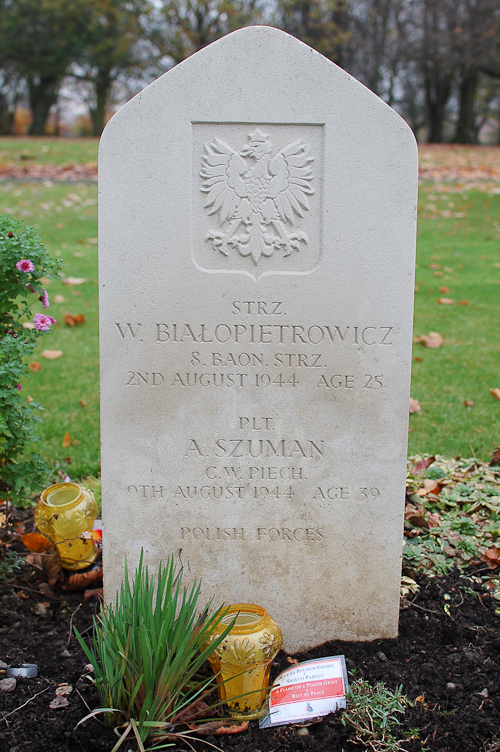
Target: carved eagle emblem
(257,196)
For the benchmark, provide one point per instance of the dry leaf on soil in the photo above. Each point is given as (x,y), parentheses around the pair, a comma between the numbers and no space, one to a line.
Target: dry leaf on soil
(430,487)
(495,393)
(432,340)
(82,580)
(35,366)
(59,702)
(66,441)
(52,571)
(414,406)
(219,728)
(51,354)
(36,543)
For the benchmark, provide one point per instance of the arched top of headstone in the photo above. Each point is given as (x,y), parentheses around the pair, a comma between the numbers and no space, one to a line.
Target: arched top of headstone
(266,67)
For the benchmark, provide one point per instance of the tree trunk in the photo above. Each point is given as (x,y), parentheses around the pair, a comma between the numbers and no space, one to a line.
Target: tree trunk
(102,88)
(465,132)
(436,99)
(43,93)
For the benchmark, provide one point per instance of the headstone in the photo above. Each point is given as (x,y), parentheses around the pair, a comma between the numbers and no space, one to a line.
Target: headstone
(257,236)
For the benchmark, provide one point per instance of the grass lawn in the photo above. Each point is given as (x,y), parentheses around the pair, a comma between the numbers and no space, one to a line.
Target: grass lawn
(458,249)
(65,216)
(26,151)
(458,258)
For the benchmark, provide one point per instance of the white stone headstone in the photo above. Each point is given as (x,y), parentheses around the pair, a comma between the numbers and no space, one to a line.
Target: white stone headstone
(257,237)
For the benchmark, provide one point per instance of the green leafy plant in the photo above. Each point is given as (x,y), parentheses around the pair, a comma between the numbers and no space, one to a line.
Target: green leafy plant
(147,651)
(24,264)
(373,712)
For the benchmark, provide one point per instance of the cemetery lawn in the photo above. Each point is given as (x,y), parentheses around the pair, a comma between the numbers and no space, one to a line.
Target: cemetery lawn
(458,257)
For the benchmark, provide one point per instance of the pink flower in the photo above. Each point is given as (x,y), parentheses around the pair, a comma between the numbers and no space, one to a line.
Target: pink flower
(19,386)
(54,321)
(43,322)
(45,298)
(25,265)
(11,234)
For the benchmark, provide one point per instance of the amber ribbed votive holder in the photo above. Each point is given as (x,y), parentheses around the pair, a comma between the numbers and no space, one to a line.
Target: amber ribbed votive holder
(242,661)
(65,514)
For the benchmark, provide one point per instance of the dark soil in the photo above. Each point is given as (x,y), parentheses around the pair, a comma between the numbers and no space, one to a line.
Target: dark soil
(452,659)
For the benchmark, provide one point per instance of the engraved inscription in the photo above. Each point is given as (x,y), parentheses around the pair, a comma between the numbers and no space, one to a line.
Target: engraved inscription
(257,194)
(263,534)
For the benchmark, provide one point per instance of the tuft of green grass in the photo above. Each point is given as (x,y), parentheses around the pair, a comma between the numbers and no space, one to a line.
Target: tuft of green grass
(374,711)
(147,651)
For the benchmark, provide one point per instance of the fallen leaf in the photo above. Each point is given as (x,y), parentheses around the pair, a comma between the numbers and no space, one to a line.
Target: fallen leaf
(497,264)
(495,460)
(64,689)
(495,393)
(51,354)
(95,594)
(445,301)
(415,406)
(36,543)
(70,281)
(82,580)
(422,465)
(42,609)
(34,560)
(468,403)
(493,553)
(432,340)
(59,702)
(35,366)
(291,660)
(59,299)
(463,302)
(439,274)
(28,325)
(71,320)
(66,441)
(220,728)
(52,570)
(92,241)
(434,519)
(429,486)
(418,520)
(83,403)
(444,289)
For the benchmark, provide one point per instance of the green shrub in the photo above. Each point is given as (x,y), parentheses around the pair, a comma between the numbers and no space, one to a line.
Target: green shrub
(24,263)
(146,653)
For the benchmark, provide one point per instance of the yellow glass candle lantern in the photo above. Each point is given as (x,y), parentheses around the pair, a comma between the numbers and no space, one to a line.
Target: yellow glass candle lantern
(242,662)
(65,514)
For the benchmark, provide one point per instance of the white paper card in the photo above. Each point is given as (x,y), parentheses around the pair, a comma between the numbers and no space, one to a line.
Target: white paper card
(309,690)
